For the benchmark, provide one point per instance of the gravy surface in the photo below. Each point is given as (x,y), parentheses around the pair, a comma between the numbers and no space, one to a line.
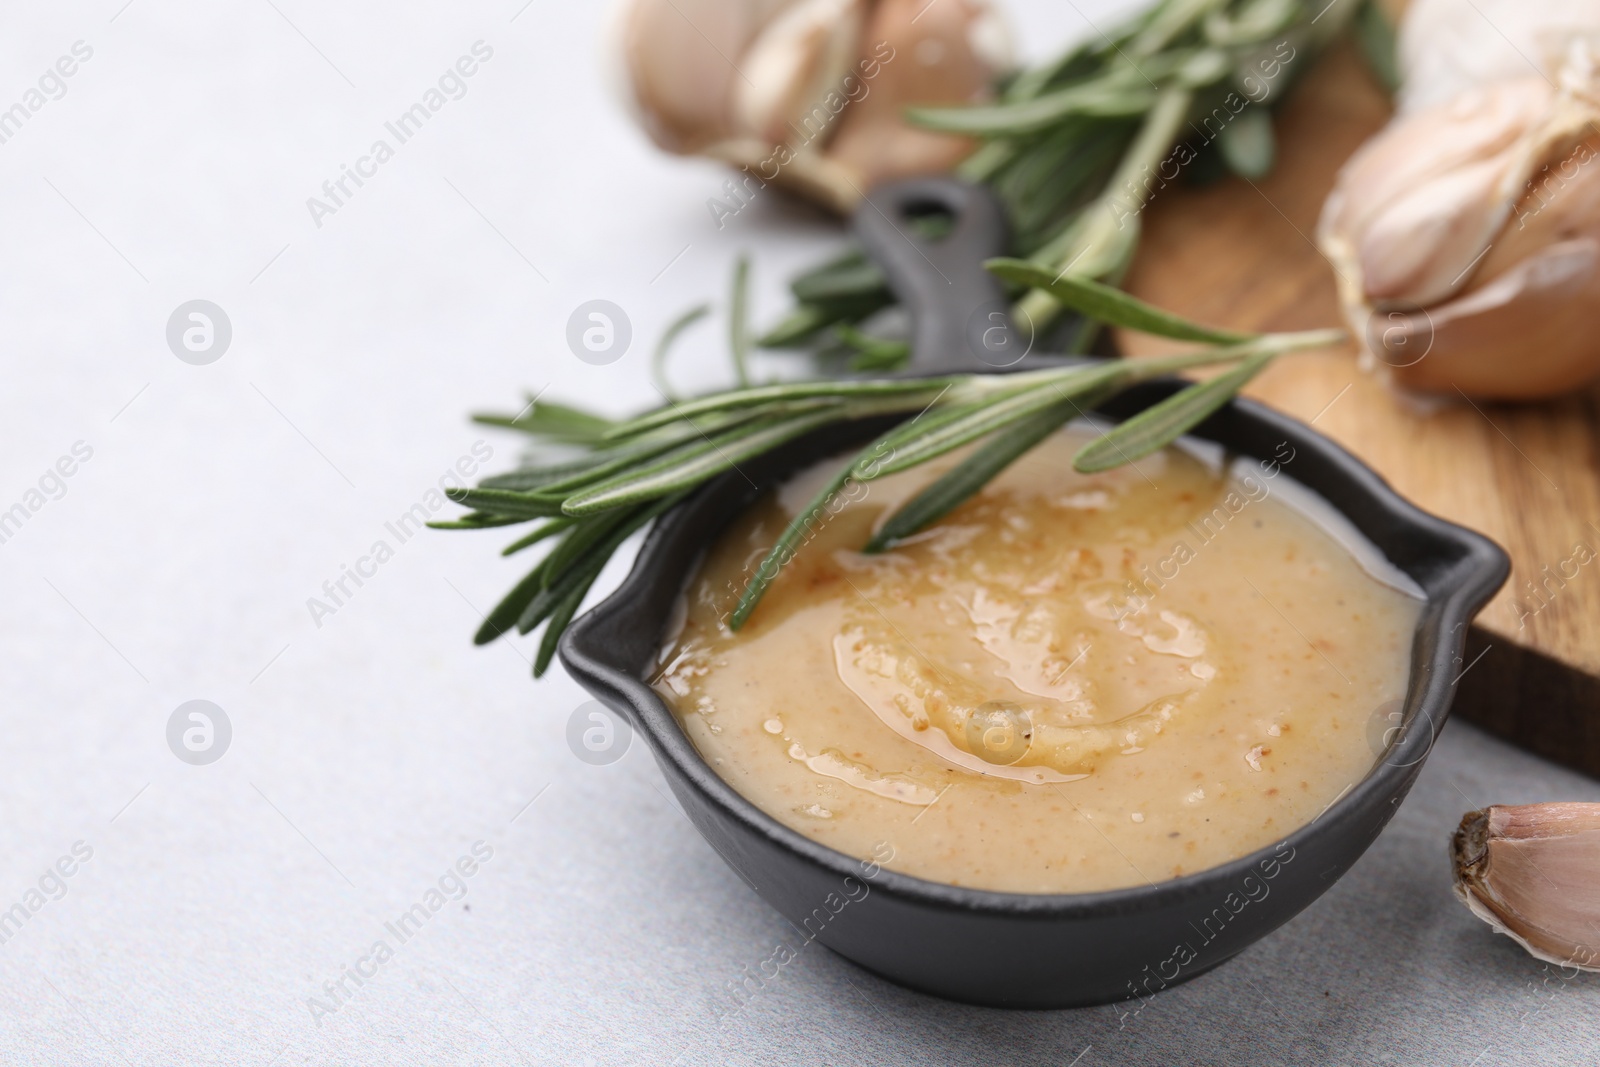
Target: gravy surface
(1070,683)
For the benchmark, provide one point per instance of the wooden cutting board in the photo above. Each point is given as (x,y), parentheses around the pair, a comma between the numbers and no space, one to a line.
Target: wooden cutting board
(1241,254)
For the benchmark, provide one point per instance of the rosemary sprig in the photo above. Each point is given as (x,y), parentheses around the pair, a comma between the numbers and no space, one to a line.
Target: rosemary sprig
(636,469)
(1075,148)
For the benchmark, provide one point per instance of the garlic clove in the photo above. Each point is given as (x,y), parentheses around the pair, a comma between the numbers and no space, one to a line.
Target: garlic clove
(1467,231)
(1420,249)
(680,60)
(1530,872)
(1524,330)
(1561,202)
(1419,203)
(1413,150)
(791,67)
(1525,335)
(942,53)
(808,95)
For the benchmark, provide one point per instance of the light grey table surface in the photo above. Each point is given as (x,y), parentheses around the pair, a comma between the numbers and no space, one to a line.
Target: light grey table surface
(372,746)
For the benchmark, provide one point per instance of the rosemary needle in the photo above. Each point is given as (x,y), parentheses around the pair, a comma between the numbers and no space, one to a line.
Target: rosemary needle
(658,359)
(738,320)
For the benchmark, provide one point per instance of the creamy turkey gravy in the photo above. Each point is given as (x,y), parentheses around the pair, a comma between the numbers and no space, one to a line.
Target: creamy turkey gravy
(1071,683)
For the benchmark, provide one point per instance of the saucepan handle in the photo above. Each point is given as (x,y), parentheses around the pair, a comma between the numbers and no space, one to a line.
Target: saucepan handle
(960,322)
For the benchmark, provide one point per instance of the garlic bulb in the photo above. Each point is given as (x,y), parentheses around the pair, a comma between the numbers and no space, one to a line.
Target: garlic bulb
(679,57)
(960,45)
(808,94)
(1533,873)
(1447,47)
(1466,236)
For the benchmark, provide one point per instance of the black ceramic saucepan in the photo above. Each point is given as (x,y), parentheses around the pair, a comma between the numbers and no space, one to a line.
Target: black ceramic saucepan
(1013,949)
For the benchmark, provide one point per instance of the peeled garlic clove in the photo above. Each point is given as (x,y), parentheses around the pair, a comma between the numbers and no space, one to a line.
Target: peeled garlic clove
(679,58)
(947,52)
(1533,873)
(801,56)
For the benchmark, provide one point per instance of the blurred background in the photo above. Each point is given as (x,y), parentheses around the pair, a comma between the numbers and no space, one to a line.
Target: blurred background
(208,476)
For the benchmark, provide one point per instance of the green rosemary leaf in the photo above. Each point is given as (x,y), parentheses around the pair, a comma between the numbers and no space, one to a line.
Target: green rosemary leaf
(1026,395)
(560,423)
(1129,27)
(694,464)
(644,448)
(850,277)
(844,261)
(1061,172)
(559,618)
(587,567)
(783,549)
(845,289)
(539,533)
(1111,97)
(556,484)
(1108,305)
(953,487)
(658,359)
(990,159)
(1170,21)
(476,520)
(505,502)
(1156,427)
(531,479)
(528,479)
(873,353)
(905,450)
(1246,143)
(549,597)
(1108,227)
(505,614)
(928,420)
(583,535)
(915,391)
(802,324)
(1205,67)
(890,356)
(873,462)
(1032,81)
(739,320)
(1253,22)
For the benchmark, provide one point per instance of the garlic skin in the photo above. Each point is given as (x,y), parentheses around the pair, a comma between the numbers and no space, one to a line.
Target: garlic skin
(1447,47)
(796,59)
(1533,873)
(678,57)
(957,47)
(1466,234)
(808,94)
